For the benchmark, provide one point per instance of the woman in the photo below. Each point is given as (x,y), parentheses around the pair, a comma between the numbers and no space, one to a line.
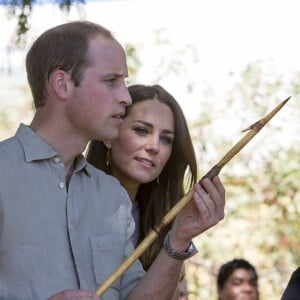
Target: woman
(153,158)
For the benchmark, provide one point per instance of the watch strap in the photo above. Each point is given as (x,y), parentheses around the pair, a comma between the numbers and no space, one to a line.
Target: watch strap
(191,250)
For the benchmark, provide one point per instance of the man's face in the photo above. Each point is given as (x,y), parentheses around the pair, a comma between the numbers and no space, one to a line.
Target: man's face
(97,105)
(241,285)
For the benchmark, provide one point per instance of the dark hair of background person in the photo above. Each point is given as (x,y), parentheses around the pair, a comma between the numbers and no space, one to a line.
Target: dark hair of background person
(228,268)
(62,47)
(155,200)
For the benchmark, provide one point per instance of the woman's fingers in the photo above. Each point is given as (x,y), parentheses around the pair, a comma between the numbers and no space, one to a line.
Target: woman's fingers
(210,195)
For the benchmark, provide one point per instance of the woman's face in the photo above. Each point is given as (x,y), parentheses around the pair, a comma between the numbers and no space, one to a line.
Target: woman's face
(144,144)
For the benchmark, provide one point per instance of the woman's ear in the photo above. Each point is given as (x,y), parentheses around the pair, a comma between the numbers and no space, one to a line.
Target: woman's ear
(107,144)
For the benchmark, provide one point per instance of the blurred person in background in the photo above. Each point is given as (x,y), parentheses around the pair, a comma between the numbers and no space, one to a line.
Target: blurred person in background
(237,280)
(292,291)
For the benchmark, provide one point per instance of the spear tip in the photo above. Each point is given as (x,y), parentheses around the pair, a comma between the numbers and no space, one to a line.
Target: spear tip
(259,124)
(287,99)
(276,109)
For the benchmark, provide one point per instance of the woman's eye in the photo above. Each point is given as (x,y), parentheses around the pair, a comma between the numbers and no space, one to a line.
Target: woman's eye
(141,130)
(167,140)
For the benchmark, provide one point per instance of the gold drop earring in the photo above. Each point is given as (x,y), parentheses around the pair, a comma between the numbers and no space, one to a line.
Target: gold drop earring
(108,159)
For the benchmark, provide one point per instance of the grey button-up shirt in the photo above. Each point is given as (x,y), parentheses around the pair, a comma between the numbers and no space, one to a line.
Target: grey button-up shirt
(52,239)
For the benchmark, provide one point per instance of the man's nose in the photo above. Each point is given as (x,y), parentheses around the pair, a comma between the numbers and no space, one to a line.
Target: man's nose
(249,287)
(124,96)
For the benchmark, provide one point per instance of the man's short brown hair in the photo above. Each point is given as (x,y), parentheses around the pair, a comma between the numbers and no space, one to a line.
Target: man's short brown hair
(62,47)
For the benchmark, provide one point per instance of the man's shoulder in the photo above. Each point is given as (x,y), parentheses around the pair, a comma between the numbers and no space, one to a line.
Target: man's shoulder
(10,144)
(107,185)
(103,177)
(97,172)
(7,145)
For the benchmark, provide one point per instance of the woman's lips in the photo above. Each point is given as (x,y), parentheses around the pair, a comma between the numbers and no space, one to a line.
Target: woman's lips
(146,162)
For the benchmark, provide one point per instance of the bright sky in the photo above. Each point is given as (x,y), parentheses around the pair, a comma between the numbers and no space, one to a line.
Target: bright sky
(227,33)
(224,35)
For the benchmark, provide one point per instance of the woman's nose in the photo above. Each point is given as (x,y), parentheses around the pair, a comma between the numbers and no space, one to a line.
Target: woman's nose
(153,144)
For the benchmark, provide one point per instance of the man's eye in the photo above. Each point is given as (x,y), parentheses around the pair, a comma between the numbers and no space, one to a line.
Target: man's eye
(110,80)
(237,282)
(253,282)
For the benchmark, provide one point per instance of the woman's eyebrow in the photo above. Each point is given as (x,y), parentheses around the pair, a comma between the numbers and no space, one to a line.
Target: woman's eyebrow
(143,122)
(151,126)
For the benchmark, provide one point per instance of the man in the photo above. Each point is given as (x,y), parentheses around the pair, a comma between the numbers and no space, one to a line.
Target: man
(65,226)
(237,280)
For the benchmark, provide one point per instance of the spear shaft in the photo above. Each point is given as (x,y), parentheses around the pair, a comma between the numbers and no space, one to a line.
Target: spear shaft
(172,213)
(252,131)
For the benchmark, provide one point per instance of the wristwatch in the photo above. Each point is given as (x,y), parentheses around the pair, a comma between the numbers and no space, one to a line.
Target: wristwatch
(191,250)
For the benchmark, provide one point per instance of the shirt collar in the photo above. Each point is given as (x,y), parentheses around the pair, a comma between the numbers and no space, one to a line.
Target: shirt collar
(35,148)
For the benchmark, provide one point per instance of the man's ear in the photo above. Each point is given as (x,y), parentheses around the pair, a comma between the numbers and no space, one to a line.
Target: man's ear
(61,83)
(107,144)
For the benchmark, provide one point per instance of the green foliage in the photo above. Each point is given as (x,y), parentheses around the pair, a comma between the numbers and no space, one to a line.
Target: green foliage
(133,63)
(21,10)
(12,112)
(262,185)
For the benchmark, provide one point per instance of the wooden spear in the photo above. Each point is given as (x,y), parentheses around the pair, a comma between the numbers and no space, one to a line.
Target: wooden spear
(172,213)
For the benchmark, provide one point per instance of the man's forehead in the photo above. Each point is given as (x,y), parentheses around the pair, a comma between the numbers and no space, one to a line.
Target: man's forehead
(103,45)
(242,273)
(107,55)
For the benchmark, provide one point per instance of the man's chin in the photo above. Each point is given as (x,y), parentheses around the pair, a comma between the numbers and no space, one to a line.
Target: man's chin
(112,135)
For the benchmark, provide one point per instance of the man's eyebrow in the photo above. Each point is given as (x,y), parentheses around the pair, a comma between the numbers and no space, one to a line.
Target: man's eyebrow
(116,74)
(151,126)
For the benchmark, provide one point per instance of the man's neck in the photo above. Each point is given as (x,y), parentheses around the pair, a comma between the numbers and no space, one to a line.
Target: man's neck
(65,142)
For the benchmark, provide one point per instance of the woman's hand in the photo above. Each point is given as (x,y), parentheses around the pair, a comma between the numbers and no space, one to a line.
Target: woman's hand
(204,211)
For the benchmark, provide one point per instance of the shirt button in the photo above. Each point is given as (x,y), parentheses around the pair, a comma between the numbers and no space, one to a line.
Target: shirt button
(61,185)
(71,227)
(56,160)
